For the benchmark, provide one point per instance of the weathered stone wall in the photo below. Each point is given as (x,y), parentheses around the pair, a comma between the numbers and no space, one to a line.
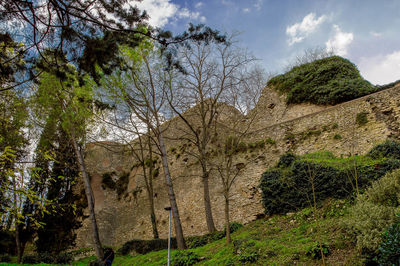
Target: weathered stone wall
(305,128)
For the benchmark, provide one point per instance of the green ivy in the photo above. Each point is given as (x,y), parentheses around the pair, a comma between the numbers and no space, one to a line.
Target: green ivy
(331,80)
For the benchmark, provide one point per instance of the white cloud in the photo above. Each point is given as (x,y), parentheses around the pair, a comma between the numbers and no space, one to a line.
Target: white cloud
(246,10)
(298,31)
(339,43)
(376,34)
(258,4)
(381,69)
(198,4)
(162,11)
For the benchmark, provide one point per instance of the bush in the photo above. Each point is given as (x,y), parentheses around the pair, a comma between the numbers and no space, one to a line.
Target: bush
(288,186)
(234,226)
(145,246)
(199,241)
(185,257)
(249,257)
(337,137)
(374,211)
(107,181)
(5,258)
(286,160)
(314,251)
(389,149)
(331,80)
(48,258)
(361,119)
(122,184)
(389,250)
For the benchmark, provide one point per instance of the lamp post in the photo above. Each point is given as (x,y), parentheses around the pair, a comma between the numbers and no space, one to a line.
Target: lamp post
(169,235)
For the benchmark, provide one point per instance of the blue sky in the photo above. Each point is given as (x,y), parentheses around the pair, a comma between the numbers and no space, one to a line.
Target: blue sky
(275,31)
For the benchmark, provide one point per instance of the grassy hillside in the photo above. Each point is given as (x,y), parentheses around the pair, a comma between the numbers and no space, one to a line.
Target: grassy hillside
(277,240)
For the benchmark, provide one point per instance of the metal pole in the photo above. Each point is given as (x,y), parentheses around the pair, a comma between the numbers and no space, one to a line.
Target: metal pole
(169,239)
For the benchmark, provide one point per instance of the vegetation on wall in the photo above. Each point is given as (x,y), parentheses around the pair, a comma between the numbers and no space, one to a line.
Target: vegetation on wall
(289,186)
(330,80)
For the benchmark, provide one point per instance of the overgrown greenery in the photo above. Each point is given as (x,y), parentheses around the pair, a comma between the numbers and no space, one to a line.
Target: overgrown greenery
(374,211)
(330,80)
(276,240)
(146,246)
(289,186)
(389,149)
(389,249)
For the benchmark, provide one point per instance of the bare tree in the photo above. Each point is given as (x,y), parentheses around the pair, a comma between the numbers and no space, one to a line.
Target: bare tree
(235,131)
(210,72)
(309,55)
(143,90)
(133,133)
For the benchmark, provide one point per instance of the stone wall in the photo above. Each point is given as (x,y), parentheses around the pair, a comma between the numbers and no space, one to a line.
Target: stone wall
(301,129)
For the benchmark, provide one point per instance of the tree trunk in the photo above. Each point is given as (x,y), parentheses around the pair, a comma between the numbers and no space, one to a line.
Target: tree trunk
(90,199)
(17,227)
(174,207)
(207,202)
(18,242)
(227,229)
(150,192)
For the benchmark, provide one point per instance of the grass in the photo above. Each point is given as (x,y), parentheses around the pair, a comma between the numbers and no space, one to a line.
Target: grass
(277,240)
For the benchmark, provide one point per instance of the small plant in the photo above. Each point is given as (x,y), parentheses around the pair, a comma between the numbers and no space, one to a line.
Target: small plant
(249,257)
(361,118)
(337,137)
(184,258)
(335,126)
(241,147)
(389,250)
(270,141)
(314,251)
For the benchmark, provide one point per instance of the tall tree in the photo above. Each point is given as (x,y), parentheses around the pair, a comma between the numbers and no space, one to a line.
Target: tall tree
(73,104)
(57,232)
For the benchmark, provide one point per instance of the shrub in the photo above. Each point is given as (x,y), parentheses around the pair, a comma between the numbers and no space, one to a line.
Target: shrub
(145,246)
(337,137)
(361,118)
(107,181)
(286,160)
(288,186)
(314,251)
(389,149)
(199,241)
(48,258)
(374,211)
(249,257)
(389,250)
(5,258)
(331,80)
(185,257)
(234,226)
(270,141)
(122,184)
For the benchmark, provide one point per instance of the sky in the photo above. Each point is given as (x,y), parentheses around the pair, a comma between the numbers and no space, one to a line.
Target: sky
(275,31)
